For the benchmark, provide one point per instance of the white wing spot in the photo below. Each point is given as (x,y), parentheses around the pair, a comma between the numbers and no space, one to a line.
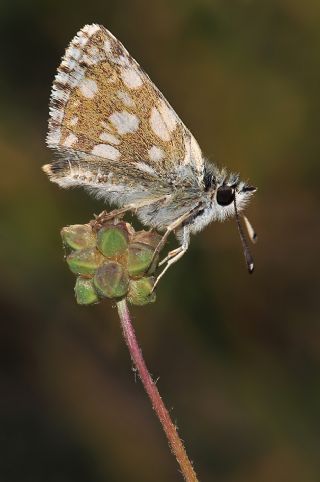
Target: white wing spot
(88,88)
(107,46)
(62,78)
(122,60)
(124,122)
(155,153)
(57,114)
(74,53)
(158,126)
(145,167)
(125,98)
(54,136)
(104,150)
(196,153)
(168,116)
(105,136)
(70,140)
(70,63)
(131,78)
(193,153)
(73,120)
(60,95)
(81,41)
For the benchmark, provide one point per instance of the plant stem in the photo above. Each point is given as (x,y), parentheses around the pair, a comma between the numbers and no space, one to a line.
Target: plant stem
(170,429)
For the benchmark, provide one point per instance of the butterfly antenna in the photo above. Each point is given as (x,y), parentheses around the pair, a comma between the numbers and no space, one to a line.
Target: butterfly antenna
(251,232)
(246,251)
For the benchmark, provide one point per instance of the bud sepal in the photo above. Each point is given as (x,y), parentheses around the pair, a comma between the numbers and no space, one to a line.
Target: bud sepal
(85,291)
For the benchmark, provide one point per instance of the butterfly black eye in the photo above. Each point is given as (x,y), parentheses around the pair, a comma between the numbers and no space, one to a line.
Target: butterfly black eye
(225,195)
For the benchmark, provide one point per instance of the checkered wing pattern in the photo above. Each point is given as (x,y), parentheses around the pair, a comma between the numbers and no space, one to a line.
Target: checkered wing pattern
(109,123)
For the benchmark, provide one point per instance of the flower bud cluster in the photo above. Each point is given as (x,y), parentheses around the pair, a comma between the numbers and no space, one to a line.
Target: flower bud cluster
(112,261)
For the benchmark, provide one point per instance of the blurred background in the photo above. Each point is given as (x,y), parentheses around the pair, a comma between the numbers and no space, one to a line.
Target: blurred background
(238,356)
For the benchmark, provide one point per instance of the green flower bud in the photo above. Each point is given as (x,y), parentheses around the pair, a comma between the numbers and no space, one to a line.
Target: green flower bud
(139,258)
(78,236)
(111,280)
(85,261)
(85,291)
(112,240)
(140,291)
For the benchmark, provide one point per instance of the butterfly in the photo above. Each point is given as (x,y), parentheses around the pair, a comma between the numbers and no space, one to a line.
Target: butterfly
(115,134)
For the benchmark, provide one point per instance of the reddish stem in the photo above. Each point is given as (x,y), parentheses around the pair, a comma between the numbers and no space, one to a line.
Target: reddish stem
(170,429)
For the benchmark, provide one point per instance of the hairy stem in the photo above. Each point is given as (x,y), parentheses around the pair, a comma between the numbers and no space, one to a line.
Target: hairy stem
(174,440)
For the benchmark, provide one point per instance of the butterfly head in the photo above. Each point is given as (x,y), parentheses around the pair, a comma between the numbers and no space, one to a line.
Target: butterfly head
(231,196)
(228,194)
(238,192)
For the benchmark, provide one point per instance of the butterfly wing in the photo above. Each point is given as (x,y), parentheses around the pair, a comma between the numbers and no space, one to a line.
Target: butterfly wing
(111,127)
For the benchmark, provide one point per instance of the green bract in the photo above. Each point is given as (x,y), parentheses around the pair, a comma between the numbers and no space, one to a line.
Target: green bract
(111,280)
(78,236)
(85,261)
(85,291)
(140,291)
(139,258)
(112,241)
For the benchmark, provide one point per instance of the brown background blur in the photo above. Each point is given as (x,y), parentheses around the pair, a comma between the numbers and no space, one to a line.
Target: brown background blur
(238,356)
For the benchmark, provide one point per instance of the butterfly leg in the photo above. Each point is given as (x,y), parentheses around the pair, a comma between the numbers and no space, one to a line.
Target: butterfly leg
(172,227)
(106,216)
(174,255)
(175,252)
(170,255)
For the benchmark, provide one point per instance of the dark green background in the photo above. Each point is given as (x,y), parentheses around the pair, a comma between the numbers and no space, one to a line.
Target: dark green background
(238,356)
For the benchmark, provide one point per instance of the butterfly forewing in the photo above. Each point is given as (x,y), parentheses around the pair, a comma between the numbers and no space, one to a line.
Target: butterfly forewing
(106,110)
